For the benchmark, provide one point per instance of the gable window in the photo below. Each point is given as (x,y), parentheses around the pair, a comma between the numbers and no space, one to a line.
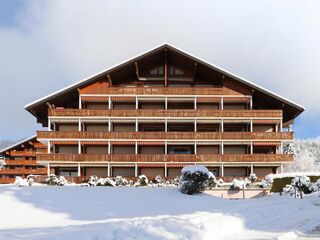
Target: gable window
(175,71)
(156,71)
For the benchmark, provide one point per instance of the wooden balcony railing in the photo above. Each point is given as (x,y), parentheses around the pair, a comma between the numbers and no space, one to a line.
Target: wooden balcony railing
(22,153)
(6,180)
(23,171)
(159,91)
(164,113)
(21,162)
(166,135)
(165,158)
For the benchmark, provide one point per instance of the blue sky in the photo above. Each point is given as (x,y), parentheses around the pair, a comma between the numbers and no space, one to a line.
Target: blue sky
(47,45)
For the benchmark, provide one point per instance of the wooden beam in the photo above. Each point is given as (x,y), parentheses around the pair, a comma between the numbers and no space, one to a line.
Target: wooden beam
(165,68)
(49,105)
(109,79)
(195,71)
(137,70)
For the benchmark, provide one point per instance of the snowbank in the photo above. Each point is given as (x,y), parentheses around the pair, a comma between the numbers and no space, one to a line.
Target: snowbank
(84,213)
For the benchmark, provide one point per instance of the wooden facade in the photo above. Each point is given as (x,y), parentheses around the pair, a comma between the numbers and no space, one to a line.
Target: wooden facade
(157,113)
(20,160)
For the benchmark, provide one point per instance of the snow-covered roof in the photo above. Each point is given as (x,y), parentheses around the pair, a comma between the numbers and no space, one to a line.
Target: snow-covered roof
(17,144)
(166,45)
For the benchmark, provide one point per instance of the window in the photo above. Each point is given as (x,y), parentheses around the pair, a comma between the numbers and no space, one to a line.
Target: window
(157,71)
(175,71)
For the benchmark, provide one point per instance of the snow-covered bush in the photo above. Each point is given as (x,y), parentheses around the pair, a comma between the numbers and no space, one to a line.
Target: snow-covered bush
(121,181)
(194,179)
(299,186)
(93,180)
(53,180)
(289,149)
(212,181)
(315,186)
(27,182)
(142,181)
(240,183)
(306,156)
(252,177)
(108,182)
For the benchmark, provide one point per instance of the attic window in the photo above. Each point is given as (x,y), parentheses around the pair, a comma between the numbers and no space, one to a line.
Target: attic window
(175,71)
(157,71)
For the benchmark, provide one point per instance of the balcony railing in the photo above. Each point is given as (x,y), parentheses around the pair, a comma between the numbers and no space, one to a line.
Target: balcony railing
(164,113)
(22,153)
(21,162)
(165,158)
(158,91)
(23,171)
(166,135)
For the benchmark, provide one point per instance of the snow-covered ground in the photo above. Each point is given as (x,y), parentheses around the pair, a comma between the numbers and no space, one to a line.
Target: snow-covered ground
(74,212)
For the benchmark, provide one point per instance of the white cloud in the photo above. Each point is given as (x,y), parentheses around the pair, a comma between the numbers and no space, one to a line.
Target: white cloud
(57,43)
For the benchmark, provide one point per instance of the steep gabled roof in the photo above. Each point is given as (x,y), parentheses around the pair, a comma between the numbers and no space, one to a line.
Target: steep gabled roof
(91,79)
(17,144)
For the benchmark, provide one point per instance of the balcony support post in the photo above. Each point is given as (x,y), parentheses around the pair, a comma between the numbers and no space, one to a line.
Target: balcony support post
(79,147)
(109,103)
(109,125)
(251,168)
(250,103)
(222,170)
(281,125)
(281,148)
(136,170)
(80,102)
(49,147)
(221,103)
(79,125)
(195,103)
(48,169)
(195,147)
(222,148)
(166,103)
(165,170)
(222,125)
(195,125)
(251,125)
(251,147)
(49,124)
(109,147)
(109,170)
(79,170)
(281,168)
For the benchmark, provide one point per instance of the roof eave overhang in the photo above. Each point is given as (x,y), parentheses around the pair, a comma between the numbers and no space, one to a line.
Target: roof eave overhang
(87,80)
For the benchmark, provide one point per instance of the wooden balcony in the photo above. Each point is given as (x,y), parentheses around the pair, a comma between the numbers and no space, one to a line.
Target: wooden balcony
(166,135)
(22,153)
(21,162)
(23,171)
(159,91)
(164,113)
(127,158)
(6,180)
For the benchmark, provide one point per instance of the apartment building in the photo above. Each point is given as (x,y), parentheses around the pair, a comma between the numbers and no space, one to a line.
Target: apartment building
(160,111)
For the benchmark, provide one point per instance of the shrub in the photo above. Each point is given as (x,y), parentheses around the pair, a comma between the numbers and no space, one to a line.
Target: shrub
(53,180)
(142,181)
(194,179)
(238,184)
(27,182)
(252,177)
